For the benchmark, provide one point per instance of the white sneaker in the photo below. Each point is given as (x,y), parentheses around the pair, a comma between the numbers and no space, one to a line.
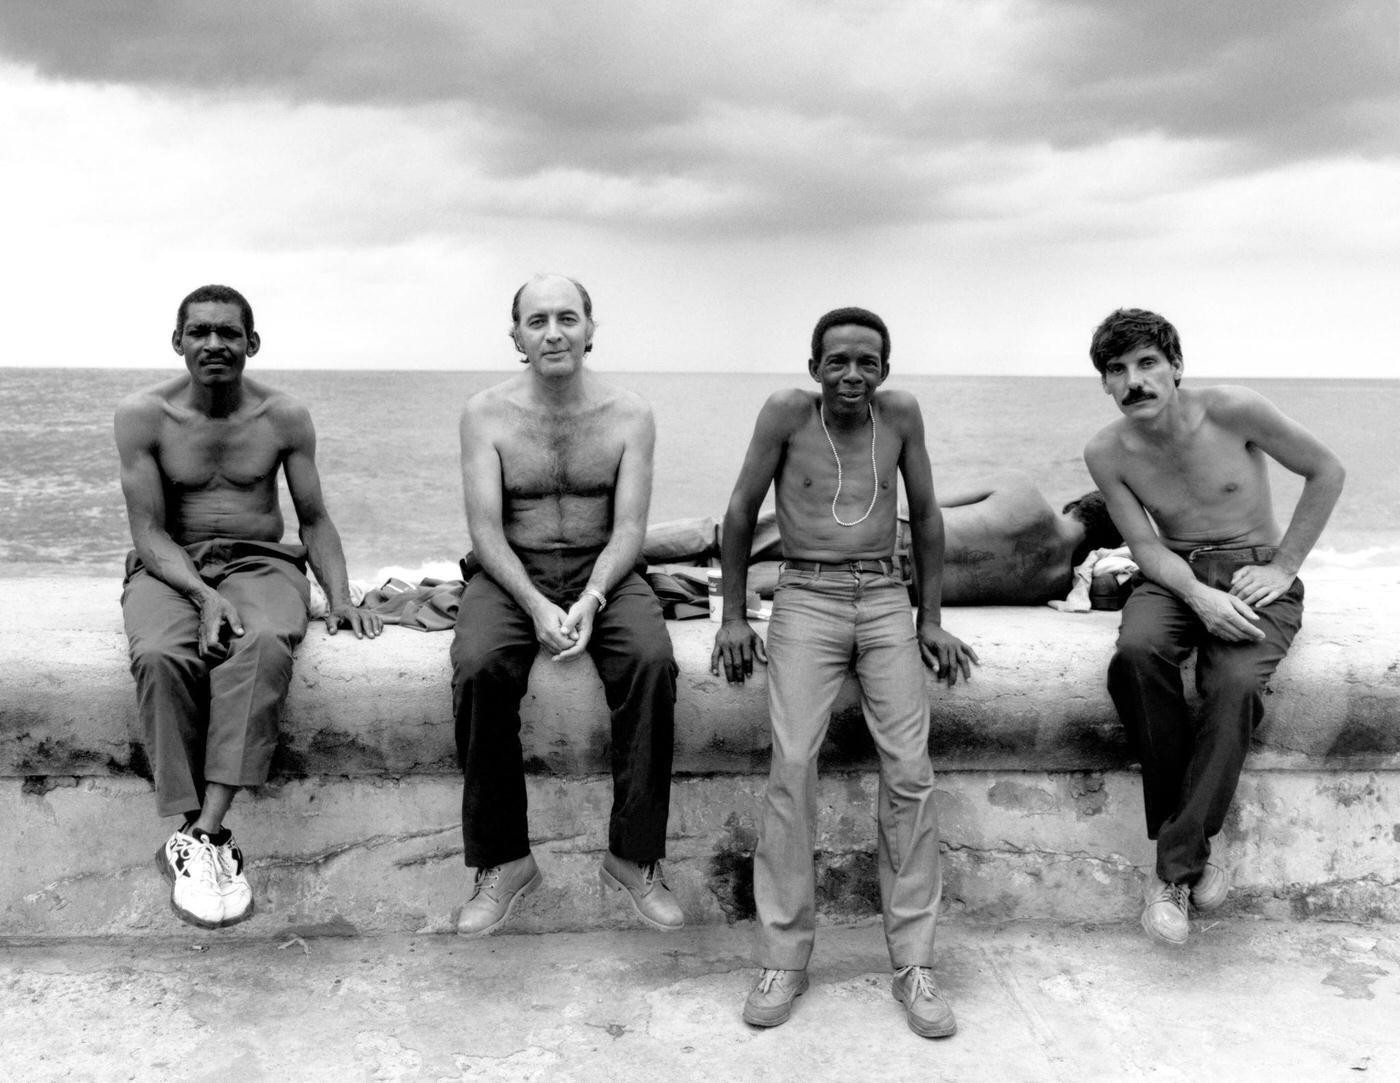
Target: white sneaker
(233,882)
(191,866)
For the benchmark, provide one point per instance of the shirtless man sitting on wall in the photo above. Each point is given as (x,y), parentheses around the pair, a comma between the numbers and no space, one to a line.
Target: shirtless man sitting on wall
(556,467)
(214,602)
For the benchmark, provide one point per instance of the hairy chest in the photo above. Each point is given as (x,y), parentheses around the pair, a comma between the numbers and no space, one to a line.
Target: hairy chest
(551,457)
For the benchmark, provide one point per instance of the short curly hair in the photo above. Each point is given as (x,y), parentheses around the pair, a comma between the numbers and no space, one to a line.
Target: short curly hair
(1130,329)
(861,317)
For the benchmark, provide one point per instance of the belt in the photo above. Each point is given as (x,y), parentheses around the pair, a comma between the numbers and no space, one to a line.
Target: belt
(877,567)
(1240,554)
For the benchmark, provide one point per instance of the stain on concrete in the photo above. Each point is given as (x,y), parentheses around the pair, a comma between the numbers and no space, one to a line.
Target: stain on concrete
(1089,793)
(1347,793)
(1019,797)
(848,884)
(730,874)
(1354,979)
(38,785)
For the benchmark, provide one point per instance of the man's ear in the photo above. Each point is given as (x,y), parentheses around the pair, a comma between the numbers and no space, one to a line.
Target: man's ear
(254,343)
(812,365)
(1179,367)
(175,337)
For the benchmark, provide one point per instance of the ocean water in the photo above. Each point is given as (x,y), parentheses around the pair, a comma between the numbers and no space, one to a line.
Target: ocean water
(387,449)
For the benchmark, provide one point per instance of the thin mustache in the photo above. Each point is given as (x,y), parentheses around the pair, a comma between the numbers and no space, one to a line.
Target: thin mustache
(1141,396)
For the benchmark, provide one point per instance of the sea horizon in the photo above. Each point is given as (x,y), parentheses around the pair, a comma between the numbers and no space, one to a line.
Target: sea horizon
(388,455)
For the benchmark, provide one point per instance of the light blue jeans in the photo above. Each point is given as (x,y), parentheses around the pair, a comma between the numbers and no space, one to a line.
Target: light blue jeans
(822,622)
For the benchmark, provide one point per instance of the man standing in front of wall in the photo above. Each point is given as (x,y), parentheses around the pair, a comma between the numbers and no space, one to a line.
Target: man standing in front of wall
(834,456)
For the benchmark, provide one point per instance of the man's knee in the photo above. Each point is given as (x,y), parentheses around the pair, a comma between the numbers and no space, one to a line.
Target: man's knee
(1137,649)
(155,659)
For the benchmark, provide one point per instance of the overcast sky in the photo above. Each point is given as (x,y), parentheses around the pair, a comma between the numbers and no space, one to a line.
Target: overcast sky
(992,176)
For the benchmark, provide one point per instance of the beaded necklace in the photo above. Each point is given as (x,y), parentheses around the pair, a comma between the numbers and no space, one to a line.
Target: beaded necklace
(874,470)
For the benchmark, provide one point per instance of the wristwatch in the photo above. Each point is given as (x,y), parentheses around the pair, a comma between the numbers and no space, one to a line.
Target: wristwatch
(602,601)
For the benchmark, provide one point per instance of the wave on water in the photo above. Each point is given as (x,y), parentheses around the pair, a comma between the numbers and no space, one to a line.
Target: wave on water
(1374,556)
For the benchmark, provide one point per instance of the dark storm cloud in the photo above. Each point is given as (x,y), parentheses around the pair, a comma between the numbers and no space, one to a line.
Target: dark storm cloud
(784,113)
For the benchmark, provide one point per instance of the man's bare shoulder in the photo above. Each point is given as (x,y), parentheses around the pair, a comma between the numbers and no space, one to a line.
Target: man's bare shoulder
(620,402)
(1108,441)
(155,397)
(899,407)
(1230,403)
(791,405)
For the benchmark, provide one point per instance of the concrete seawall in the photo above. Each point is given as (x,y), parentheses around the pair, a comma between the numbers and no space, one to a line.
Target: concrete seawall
(1040,803)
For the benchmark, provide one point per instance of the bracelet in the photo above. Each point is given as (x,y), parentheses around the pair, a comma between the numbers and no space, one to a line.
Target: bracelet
(602,601)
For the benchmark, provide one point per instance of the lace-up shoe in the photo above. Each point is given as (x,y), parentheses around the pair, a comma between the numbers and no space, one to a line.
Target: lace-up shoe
(191,866)
(1164,911)
(232,880)
(1211,890)
(650,896)
(770,1000)
(495,892)
(924,1007)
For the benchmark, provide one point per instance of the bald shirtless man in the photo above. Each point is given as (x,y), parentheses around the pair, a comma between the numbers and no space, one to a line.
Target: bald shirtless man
(556,468)
(214,602)
(1185,474)
(834,456)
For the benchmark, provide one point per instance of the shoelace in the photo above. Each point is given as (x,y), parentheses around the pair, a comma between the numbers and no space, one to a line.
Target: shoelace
(486,878)
(922,985)
(765,982)
(1179,895)
(206,871)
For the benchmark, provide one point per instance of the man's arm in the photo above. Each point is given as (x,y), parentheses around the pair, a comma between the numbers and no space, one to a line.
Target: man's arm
(941,650)
(737,645)
(1296,449)
(1223,614)
(324,551)
(631,501)
(485,501)
(137,424)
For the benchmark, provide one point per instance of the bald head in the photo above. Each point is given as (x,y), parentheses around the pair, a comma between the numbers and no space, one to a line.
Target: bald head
(549,309)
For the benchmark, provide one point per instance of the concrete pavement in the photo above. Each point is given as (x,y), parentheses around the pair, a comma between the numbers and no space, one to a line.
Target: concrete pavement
(1247,999)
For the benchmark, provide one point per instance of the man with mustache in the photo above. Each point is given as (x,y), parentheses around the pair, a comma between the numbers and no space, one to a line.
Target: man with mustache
(214,602)
(1185,475)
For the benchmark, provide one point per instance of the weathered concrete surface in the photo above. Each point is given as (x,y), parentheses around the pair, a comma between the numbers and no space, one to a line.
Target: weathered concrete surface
(1245,1001)
(383,707)
(385,855)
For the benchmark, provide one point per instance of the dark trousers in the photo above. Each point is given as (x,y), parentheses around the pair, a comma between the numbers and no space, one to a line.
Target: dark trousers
(208,719)
(492,650)
(1191,765)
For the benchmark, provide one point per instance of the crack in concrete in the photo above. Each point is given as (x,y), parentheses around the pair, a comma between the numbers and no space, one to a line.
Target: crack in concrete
(373,842)
(1011,850)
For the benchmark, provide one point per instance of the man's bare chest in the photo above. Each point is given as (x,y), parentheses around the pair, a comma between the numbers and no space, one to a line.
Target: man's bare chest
(560,457)
(1210,474)
(201,453)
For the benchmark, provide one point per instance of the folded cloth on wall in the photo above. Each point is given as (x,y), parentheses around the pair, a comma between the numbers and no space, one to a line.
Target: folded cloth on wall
(684,592)
(1115,566)
(430,606)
